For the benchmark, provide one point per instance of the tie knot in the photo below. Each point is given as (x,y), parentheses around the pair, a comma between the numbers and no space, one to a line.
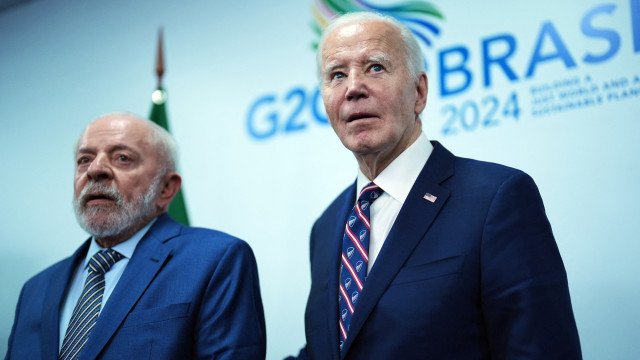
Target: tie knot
(369,194)
(103,260)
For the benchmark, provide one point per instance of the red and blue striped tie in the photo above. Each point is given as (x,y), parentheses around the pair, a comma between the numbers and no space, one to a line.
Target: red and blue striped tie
(355,257)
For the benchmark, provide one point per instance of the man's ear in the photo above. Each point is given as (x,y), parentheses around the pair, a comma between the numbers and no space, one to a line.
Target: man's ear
(170,186)
(422,89)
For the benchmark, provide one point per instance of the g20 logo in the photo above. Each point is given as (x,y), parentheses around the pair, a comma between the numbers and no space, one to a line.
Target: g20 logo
(295,111)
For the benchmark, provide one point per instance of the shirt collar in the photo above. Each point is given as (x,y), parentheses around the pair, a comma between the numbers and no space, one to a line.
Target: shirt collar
(125,248)
(398,178)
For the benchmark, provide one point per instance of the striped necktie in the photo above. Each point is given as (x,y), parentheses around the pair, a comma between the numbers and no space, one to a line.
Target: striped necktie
(86,312)
(355,257)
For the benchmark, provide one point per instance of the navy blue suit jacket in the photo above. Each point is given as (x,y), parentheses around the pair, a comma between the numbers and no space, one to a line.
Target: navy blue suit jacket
(185,293)
(476,274)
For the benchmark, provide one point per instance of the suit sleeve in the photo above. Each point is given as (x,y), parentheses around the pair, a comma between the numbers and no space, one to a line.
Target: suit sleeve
(13,328)
(525,294)
(231,322)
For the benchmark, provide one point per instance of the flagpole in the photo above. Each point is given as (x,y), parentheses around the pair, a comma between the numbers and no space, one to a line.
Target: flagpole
(160,59)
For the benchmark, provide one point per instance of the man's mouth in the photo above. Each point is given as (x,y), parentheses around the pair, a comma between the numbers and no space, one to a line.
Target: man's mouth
(98,199)
(360,116)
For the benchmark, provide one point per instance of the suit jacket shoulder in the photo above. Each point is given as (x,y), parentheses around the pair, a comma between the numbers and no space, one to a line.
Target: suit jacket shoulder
(208,244)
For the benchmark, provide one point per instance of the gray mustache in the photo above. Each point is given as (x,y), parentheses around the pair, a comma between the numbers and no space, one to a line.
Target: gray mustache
(94,190)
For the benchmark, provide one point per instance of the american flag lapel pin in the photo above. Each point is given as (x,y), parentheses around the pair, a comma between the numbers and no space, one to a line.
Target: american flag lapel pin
(430,198)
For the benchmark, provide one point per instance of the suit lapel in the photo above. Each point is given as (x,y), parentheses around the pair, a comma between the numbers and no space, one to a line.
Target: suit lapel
(148,258)
(337,233)
(56,290)
(415,217)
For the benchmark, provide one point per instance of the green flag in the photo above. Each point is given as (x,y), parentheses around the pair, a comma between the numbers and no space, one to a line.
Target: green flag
(177,208)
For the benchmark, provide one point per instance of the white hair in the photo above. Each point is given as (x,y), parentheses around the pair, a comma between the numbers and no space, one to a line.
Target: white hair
(166,145)
(160,138)
(413,54)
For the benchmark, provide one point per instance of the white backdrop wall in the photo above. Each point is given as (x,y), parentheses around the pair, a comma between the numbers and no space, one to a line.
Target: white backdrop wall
(572,123)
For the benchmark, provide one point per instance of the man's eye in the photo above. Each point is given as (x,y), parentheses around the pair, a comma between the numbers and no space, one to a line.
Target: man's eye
(123,158)
(82,160)
(337,75)
(377,68)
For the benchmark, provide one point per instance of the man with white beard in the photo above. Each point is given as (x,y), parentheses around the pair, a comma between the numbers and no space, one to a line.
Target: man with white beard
(143,286)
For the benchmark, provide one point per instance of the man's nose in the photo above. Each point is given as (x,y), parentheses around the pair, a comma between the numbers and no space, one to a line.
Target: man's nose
(99,169)
(357,87)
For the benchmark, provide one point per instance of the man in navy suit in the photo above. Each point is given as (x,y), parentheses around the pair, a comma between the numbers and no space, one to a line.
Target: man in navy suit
(174,292)
(461,262)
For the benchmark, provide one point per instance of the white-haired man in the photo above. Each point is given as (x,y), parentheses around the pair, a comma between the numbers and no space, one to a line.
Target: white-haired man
(427,255)
(143,286)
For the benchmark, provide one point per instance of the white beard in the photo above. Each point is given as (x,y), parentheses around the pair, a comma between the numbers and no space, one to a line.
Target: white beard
(105,221)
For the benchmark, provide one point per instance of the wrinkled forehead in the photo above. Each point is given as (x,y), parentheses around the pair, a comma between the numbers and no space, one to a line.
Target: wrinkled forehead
(116,130)
(363,37)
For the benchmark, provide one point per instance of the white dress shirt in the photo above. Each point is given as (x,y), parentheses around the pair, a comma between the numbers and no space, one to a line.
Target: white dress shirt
(111,277)
(396,180)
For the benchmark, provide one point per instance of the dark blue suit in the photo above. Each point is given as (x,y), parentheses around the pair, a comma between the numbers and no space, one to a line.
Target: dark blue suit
(474,275)
(185,293)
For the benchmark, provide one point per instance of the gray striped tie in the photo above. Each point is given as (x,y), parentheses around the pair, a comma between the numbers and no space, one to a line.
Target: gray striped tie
(86,312)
